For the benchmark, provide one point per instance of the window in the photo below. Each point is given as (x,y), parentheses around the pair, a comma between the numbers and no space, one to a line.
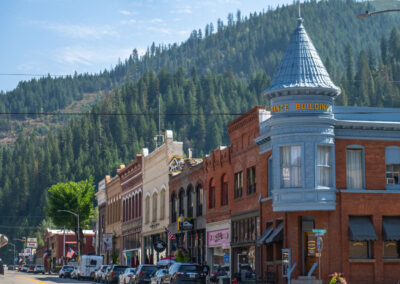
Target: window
(190,200)
(291,166)
(211,194)
(140,204)
(224,190)
(162,204)
(354,168)
(181,204)
(133,207)
(155,196)
(391,238)
(324,174)
(360,250)
(147,205)
(391,249)
(393,167)
(173,208)
(123,210)
(199,200)
(251,180)
(238,184)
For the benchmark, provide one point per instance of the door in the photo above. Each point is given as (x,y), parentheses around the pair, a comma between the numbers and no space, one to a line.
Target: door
(310,250)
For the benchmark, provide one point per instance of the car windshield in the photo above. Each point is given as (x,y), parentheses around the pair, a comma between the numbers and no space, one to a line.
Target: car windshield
(119,268)
(149,268)
(68,267)
(189,268)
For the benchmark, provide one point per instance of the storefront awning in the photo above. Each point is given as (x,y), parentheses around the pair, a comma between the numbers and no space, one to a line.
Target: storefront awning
(276,236)
(268,231)
(391,228)
(361,229)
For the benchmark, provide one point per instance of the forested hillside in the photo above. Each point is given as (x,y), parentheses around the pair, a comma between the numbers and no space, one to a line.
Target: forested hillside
(200,85)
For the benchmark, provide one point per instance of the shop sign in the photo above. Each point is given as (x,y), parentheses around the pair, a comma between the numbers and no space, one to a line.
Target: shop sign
(107,242)
(31,242)
(159,246)
(28,251)
(187,224)
(226,258)
(218,238)
(286,261)
(301,107)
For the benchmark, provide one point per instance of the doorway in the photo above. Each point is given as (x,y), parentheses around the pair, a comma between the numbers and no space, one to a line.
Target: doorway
(309,244)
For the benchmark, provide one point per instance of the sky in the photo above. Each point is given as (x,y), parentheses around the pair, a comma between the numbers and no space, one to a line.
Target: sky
(59,37)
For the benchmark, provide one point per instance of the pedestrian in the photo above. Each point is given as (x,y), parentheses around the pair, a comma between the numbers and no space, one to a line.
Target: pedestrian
(206,270)
(1,267)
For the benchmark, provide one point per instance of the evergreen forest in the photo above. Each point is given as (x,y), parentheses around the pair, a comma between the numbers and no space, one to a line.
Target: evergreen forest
(199,85)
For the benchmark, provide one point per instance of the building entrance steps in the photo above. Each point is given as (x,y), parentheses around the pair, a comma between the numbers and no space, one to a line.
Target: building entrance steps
(306,280)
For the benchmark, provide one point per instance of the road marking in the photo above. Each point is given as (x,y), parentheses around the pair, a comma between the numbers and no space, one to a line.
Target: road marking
(29,279)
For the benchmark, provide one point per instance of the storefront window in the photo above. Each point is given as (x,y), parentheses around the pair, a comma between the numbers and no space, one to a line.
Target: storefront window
(291,166)
(360,250)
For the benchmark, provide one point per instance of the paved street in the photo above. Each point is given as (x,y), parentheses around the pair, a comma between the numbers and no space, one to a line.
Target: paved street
(14,277)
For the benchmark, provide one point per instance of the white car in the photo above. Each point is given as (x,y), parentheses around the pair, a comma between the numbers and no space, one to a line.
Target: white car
(125,277)
(65,271)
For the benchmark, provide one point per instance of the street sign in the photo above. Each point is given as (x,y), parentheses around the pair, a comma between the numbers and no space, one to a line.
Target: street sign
(31,243)
(320,232)
(319,244)
(226,258)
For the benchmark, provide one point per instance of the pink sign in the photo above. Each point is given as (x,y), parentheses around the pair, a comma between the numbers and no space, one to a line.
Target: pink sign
(217,238)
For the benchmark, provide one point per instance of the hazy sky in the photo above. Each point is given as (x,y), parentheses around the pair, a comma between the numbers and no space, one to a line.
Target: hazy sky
(63,36)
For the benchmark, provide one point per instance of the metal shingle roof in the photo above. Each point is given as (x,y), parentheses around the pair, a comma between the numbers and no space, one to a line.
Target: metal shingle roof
(301,66)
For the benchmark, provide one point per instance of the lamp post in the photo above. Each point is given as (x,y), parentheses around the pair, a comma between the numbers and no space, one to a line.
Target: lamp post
(11,244)
(369,14)
(77,216)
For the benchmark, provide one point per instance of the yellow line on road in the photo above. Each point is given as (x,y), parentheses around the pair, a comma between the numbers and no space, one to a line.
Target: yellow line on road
(37,281)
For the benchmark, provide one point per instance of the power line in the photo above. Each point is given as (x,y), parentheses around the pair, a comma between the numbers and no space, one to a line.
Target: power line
(33,75)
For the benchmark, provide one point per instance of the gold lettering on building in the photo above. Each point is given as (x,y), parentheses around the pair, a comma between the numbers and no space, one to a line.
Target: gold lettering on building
(300,106)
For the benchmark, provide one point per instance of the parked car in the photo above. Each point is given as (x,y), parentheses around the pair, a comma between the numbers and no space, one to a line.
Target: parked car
(104,274)
(31,268)
(65,271)
(99,272)
(143,274)
(159,275)
(38,269)
(127,275)
(10,267)
(185,273)
(25,268)
(114,273)
(19,268)
(74,273)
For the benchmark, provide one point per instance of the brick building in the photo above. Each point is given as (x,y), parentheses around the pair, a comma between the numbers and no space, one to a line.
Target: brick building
(187,203)
(330,168)
(54,240)
(132,185)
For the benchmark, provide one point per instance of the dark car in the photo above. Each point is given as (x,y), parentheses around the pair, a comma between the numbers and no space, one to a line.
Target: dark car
(112,276)
(185,273)
(143,274)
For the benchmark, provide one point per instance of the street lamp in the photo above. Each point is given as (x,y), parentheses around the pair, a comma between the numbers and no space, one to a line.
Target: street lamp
(369,14)
(76,215)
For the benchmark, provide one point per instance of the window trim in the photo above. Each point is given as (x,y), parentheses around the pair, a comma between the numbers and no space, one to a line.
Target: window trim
(224,197)
(254,185)
(332,166)
(280,146)
(362,148)
(270,173)
(238,190)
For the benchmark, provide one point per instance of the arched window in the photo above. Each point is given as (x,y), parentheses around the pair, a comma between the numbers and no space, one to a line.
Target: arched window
(211,194)
(392,158)
(147,208)
(134,198)
(123,210)
(199,200)
(181,204)
(155,207)
(190,201)
(173,208)
(162,204)
(224,190)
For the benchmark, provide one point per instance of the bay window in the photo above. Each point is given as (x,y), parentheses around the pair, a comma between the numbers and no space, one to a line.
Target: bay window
(324,166)
(291,166)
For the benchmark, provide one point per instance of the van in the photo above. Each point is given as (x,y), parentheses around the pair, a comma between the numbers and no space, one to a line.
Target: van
(88,264)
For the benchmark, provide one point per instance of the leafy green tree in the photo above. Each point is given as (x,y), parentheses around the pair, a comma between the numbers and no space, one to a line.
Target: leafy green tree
(76,197)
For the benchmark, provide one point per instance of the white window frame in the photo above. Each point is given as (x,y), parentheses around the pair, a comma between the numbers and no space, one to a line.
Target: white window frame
(362,165)
(328,165)
(291,166)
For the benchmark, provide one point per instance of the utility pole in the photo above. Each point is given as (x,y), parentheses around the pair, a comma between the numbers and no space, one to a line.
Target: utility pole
(64,248)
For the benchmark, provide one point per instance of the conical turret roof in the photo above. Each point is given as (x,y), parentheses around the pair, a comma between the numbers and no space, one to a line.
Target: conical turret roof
(301,67)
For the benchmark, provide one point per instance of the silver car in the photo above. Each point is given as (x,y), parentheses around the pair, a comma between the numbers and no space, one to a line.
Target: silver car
(158,277)
(126,276)
(99,272)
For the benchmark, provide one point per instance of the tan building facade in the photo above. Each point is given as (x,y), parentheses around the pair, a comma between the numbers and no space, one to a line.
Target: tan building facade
(155,196)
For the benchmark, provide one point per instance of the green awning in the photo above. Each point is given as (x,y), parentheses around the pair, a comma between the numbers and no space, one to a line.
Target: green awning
(276,236)
(361,229)
(391,228)
(268,231)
